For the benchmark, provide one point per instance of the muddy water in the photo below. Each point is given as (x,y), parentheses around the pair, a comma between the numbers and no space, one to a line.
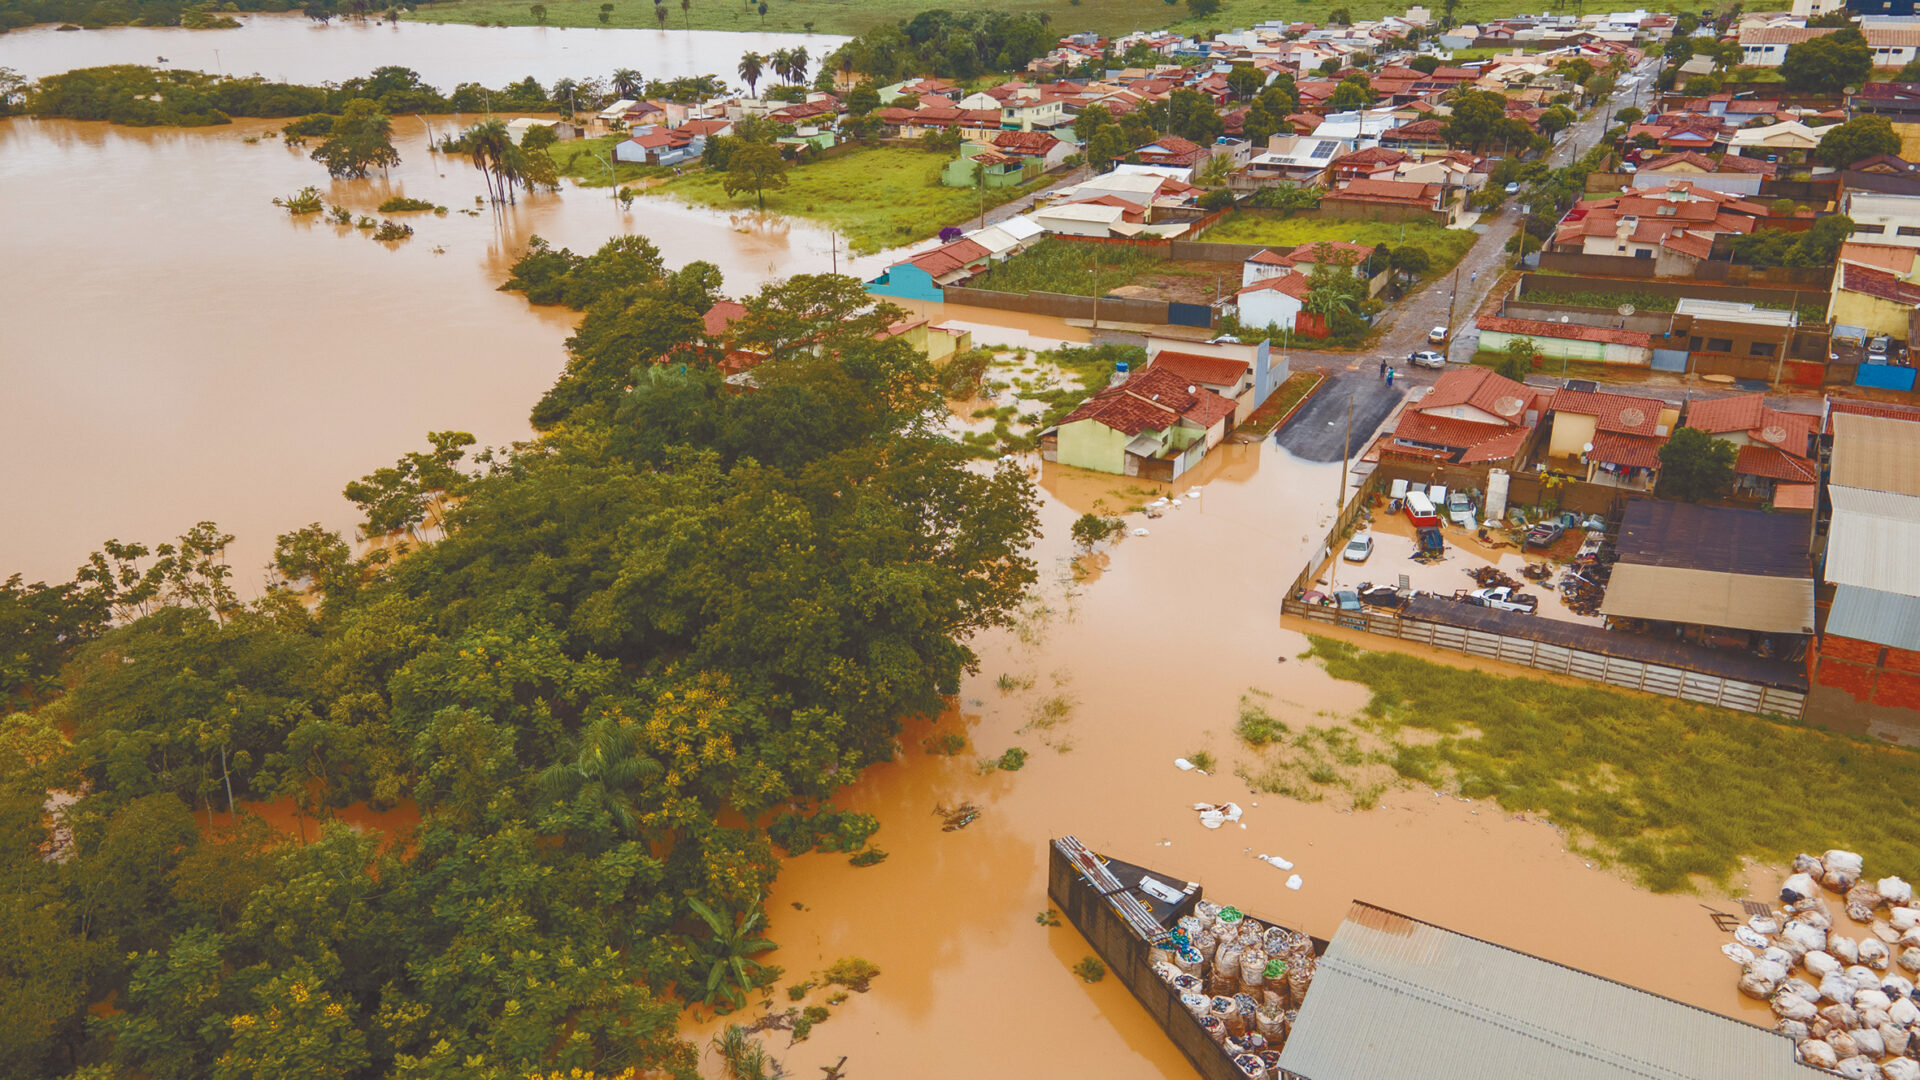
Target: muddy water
(180,349)
(293,48)
(1154,654)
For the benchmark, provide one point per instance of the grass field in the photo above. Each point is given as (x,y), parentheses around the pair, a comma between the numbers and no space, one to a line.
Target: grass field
(1676,792)
(875,197)
(1109,17)
(1444,247)
(586,160)
(1064,266)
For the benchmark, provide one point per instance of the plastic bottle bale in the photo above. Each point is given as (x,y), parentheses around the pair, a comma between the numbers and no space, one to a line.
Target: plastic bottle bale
(1870,1043)
(1761,978)
(1226,959)
(1871,999)
(1797,888)
(1857,1068)
(1792,1029)
(1897,1038)
(1790,1007)
(1189,925)
(1227,923)
(1166,971)
(1215,1030)
(1804,863)
(1234,1046)
(1205,910)
(1800,988)
(1274,940)
(1204,941)
(1837,988)
(1223,982)
(1908,938)
(1818,1054)
(1904,1012)
(1271,1023)
(1863,976)
(1768,925)
(1873,1018)
(1190,961)
(1197,1004)
(1251,931)
(1843,948)
(1253,968)
(1859,912)
(1243,1004)
(1221,1008)
(1778,955)
(1843,1045)
(1822,963)
(1901,1069)
(1803,934)
(1903,917)
(1299,978)
(1843,870)
(1817,916)
(1250,1066)
(1895,986)
(1184,984)
(1841,1016)
(1895,890)
(1818,1028)
(1272,999)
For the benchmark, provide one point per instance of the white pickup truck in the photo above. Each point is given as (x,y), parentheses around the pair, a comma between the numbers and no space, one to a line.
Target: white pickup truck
(1500,598)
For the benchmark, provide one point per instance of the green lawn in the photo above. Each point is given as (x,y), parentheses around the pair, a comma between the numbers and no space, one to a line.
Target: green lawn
(1444,247)
(1109,17)
(876,197)
(1679,793)
(586,160)
(1064,266)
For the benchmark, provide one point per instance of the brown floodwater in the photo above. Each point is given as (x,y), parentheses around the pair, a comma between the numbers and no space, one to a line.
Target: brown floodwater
(177,348)
(1154,653)
(294,48)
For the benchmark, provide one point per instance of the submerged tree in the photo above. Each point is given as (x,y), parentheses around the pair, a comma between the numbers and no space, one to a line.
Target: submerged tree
(755,167)
(361,139)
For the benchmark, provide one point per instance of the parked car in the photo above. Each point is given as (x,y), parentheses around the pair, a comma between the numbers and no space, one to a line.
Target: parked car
(1513,188)
(1544,534)
(1460,509)
(1500,598)
(1437,336)
(1346,600)
(1358,548)
(1428,358)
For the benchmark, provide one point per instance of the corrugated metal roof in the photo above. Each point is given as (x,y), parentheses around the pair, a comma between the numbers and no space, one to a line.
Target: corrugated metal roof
(1769,605)
(1871,615)
(1876,452)
(1654,532)
(1872,538)
(1398,999)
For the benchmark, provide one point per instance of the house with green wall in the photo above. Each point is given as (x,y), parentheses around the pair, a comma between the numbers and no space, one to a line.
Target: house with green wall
(1002,170)
(1154,425)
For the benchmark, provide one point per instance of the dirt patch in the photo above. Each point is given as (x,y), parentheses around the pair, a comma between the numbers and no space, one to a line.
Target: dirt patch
(1183,281)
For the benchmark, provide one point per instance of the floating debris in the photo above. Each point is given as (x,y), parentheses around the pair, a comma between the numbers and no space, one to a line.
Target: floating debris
(957,818)
(1213,816)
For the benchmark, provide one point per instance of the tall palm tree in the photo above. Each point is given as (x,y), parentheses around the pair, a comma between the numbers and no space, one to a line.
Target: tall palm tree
(627,83)
(487,144)
(686,12)
(752,66)
(601,767)
(799,59)
(782,61)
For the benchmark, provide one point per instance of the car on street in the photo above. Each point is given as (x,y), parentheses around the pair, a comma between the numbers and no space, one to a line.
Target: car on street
(1437,335)
(1544,534)
(1358,548)
(1428,358)
(1513,188)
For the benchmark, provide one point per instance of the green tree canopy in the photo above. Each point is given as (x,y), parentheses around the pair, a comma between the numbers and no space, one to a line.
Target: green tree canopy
(361,140)
(1694,466)
(1859,138)
(755,167)
(1829,64)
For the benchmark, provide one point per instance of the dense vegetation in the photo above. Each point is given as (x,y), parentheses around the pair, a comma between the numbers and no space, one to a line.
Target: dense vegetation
(92,13)
(636,649)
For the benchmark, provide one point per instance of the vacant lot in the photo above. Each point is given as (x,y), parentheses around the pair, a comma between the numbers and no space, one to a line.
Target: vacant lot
(1064,266)
(1444,247)
(875,197)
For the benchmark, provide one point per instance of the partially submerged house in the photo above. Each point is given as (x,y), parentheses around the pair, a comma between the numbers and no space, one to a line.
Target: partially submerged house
(919,277)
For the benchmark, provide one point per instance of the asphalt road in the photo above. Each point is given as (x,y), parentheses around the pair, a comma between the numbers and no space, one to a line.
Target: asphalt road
(1318,432)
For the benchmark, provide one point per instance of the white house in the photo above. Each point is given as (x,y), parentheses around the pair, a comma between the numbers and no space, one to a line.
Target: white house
(1079,219)
(1264,264)
(1883,219)
(1272,301)
(1893,46)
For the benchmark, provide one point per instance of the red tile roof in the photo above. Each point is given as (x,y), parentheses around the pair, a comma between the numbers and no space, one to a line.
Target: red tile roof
(949,257)
(1721,415)
(1203,370)
(1880,284)
(1769,428)
(1031,143)
(1293,284)
(1774,464)
(1268,257)
(723,314)
(1498,448)
(1446,431)
(1637,451)
(1870,408)
(1562,331)
(1483,389)
(1153,400)
(1399,192)
(1612,412)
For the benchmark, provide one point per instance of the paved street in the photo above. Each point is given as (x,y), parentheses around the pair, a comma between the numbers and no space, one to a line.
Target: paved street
(1318,432)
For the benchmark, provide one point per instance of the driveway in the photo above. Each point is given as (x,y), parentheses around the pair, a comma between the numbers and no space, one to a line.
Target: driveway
(1318,432)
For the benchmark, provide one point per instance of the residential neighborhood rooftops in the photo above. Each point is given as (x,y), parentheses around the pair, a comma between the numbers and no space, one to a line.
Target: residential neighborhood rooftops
(1657,532)
(1569,331)
(1878,283)
(1291,283)
(1618,413)
(1482,388)
(723,314)
(949,257)
(1151,401)
(1875,453)
(1205,370)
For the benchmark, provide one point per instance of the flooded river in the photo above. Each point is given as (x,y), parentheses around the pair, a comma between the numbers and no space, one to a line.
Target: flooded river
(294,48)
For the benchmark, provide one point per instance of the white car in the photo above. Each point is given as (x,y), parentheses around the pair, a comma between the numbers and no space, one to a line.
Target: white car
(1513,188)
(1428,358)
(1358,548)
(1437,335)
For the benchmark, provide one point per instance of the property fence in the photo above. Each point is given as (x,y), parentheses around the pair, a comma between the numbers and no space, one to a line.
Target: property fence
(1063,305)
(1573,262)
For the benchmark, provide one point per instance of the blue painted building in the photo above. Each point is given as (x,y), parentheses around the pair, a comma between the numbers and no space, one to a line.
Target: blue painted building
(921,276)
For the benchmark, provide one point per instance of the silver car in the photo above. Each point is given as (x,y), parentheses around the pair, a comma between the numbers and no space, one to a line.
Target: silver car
(1358,548)
(1428,358)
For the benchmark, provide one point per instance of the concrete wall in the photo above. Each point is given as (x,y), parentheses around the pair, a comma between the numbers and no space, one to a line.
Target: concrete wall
(1598,352)
(1062,305)
(1089,444)
(1876,315)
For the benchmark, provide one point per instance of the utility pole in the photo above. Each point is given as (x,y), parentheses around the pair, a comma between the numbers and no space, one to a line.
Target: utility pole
(1096,292)
(833,246)
(1451,295)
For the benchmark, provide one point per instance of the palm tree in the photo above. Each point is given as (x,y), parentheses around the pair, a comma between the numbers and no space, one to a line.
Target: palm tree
(487,142)
(627,83)
(731,969)
(600,768)
(782,61)
(751,67)
(660,14)
(799,59)
(686,12)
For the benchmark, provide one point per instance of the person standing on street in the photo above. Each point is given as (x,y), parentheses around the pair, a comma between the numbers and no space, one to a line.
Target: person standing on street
(1389,376)
(1383,367)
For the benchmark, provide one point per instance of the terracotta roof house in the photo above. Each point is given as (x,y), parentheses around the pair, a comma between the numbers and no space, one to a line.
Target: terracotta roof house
(1674,225)
(1419,134)
(1471,416)
(1774,446)
(1611,439)
(919,277)
(1369,198)
(1371,162)
(1170,150)
(1153,418)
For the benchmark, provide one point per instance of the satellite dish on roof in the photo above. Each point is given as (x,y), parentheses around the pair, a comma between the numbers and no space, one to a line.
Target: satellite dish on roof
(1587,449)
(1774,434)
(1625,310)
(1508,406)
(1632,417)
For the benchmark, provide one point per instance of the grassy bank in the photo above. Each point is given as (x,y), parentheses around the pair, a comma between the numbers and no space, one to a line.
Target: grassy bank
(1676,792)
(1651,302)
(876,197)
(1111,17)
(1281,404)
(1444,247)
(586,160)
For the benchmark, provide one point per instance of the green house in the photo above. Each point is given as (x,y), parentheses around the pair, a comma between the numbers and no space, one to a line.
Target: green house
(1001,170)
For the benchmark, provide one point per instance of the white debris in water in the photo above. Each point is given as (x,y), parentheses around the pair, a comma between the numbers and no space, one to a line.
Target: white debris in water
(1275,861)
(1193,493)
(1182,764)
(1213,816)
(1294,882)
(1139,532)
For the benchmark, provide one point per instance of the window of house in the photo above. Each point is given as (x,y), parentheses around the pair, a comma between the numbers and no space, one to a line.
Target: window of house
(1643,253)
(1693,344)
(1871,230)
(1907,230)
(1719,344)
(1760,348)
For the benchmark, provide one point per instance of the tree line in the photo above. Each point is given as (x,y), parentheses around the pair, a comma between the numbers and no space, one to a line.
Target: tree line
(639,652)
